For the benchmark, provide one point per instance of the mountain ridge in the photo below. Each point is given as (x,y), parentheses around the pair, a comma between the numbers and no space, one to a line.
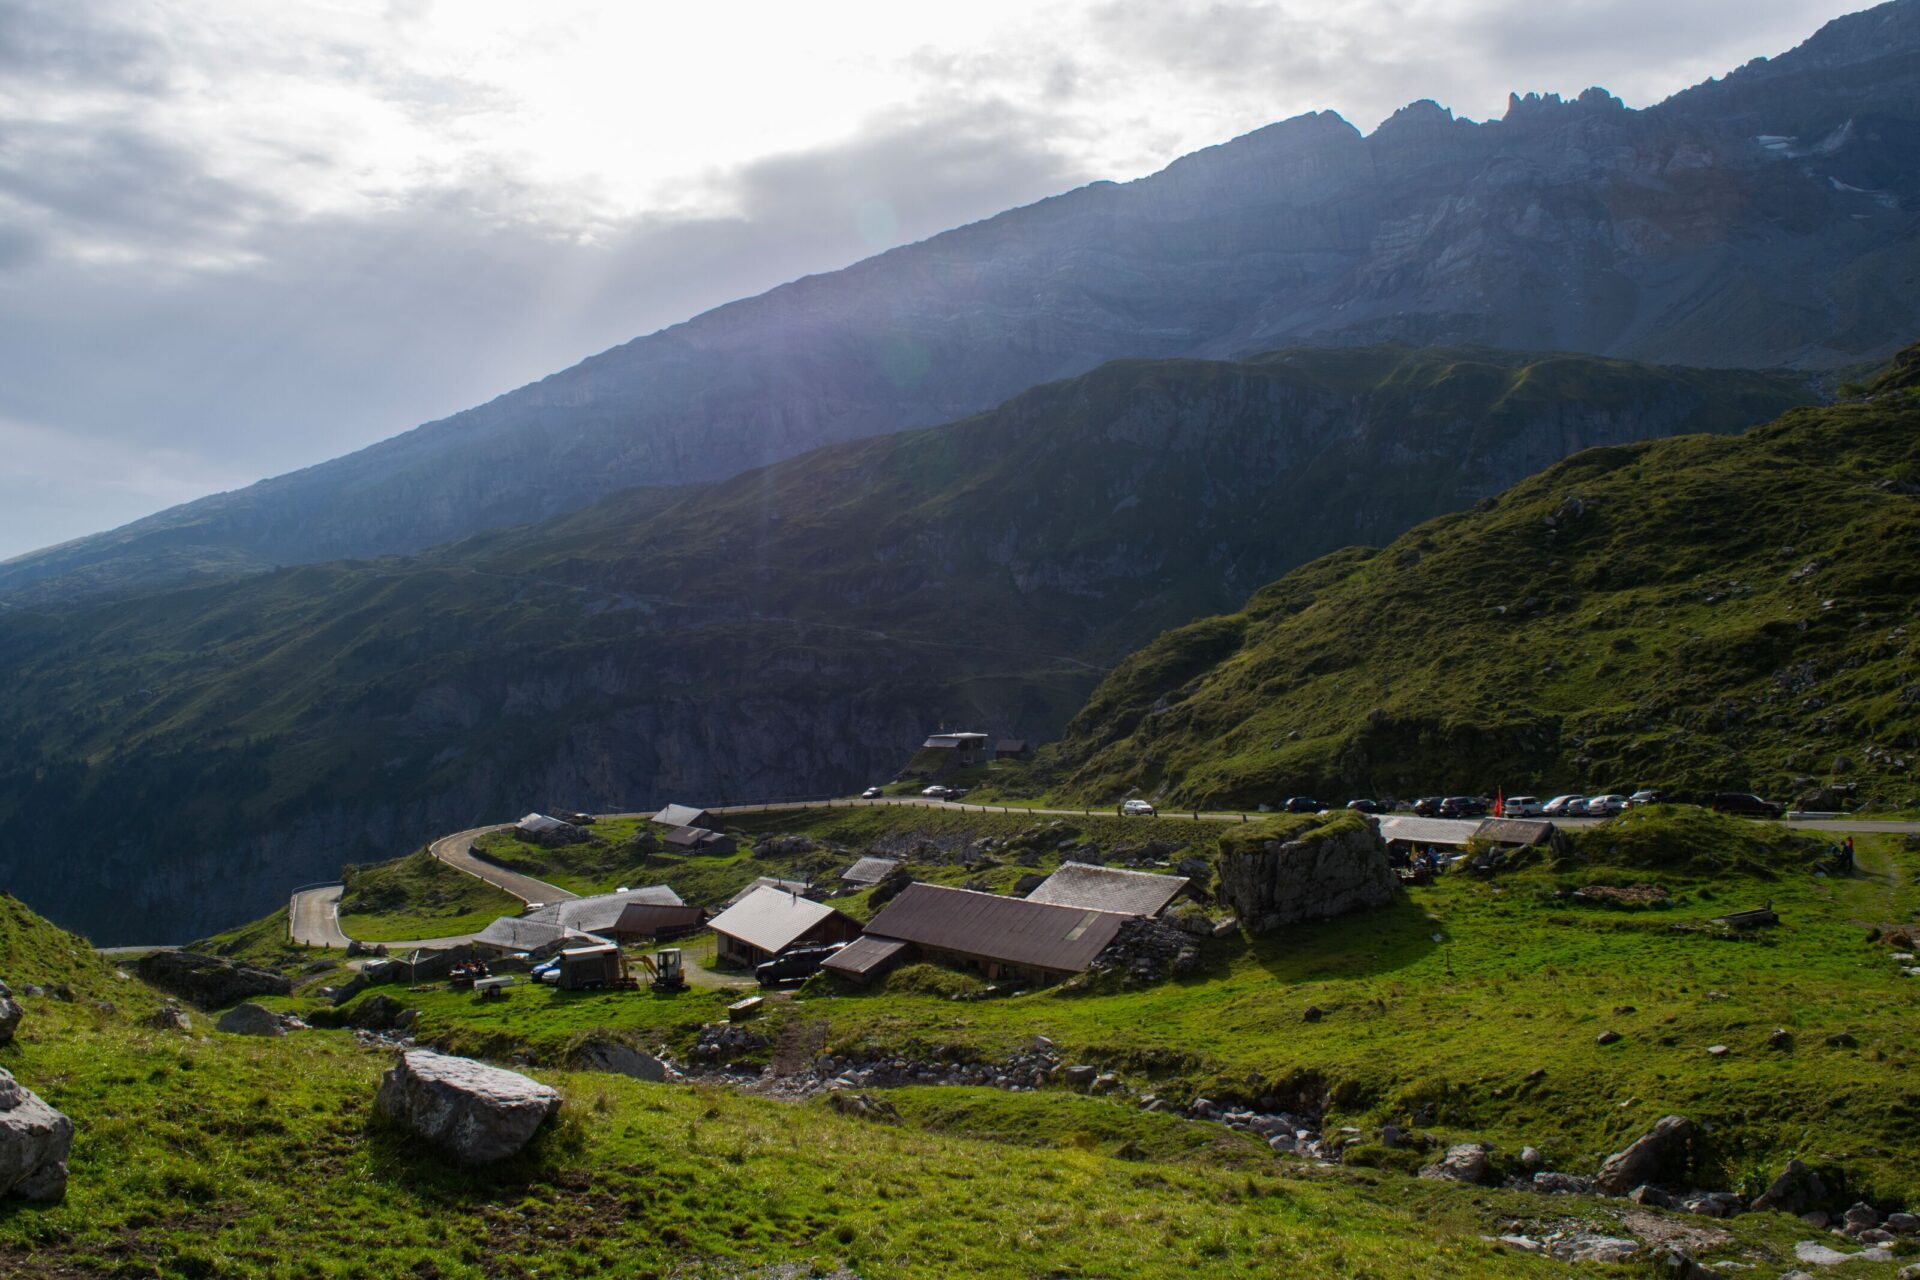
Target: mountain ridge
(1668,233)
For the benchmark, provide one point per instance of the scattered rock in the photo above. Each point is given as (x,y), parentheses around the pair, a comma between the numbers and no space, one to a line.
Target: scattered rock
(209,981)
(1313,1013)
(1081,1077)
(1859,1217)
(1821,1255)
(1906,1224)
(1584,1247)
(618,1059)
(34,1141)
(477,1112)
(1663,1154)
(864,1106)
(1465,1162)
(1531,1158)
(1652,1197)
(10,1015)
(250,1019)
(170,1016)
(1717,1050)
(1796,1190)
(1780,1039)
(1562,1184)
(1607,1037)
(1842,1040)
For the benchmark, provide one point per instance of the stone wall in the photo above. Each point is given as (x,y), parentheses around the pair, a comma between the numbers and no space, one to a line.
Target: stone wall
(1327,873)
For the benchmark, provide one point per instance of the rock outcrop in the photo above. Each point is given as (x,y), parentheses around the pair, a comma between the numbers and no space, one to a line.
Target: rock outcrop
(618,1059)
(250,1019)
(1466,1162)
(209,981)
(1664,1154)
(34,1141)
(10,1014)
(1325,873)
(475,1112)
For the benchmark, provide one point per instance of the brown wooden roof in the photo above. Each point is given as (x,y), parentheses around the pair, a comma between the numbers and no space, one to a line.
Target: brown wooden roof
(1011,930)
(1521,831)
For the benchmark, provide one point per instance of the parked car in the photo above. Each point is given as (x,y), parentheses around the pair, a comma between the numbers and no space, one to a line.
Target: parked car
(1605,806)
(1302,804)
(1522,807)
(1368,806)
(1429,806)
(1564,807)
(872,793)
(547,971)
(935,792)
(1744,802)
(1137,807)
(1651,795)
(954,793)
(801,962)
(1463,807)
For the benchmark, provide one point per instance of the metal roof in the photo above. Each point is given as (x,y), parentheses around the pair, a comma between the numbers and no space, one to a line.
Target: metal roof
(1453,831)
(1012,930)
(1521,831)
(692,837)
(602,911)
(864,955)
(770,919)
(1131,893)
(519,933)
(682,815)
(646,917)
(540,822)
(870,870)
(785,886)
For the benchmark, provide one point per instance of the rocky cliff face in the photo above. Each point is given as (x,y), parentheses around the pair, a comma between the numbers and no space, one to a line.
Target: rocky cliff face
(1272,883)
(1760,220)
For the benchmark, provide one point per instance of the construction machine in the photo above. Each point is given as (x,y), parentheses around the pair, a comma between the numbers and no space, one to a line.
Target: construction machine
(667,968)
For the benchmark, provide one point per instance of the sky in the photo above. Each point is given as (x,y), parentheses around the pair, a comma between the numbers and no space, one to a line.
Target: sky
(241,238)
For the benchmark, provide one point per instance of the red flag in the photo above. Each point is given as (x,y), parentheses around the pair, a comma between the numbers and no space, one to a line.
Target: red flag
(1499,803)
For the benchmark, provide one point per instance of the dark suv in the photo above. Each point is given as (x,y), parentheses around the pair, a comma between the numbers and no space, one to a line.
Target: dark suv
(801,962)
(1744,802)
(1368,806)
(1463,807)
(1428,806)
(1302,804)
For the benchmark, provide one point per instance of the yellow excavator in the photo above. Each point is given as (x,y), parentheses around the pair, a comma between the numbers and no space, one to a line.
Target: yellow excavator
(667,968)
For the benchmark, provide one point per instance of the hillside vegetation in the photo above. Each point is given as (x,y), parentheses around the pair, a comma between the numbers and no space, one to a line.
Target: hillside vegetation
(1696,613)
(792,631)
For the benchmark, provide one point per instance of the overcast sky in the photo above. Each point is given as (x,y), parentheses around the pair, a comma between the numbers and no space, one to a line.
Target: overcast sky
(238,238)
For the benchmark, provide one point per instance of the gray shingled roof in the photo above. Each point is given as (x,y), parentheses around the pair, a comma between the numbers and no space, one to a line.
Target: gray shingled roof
(602,911)
(1130,893)
(682,815)
(770,919)
(785,886)
(520,933)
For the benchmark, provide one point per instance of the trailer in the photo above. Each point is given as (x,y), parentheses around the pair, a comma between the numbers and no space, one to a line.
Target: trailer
(593,968)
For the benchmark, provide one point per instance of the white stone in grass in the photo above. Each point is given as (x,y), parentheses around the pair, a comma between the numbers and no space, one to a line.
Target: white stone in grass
(477,1112)
(34,1141)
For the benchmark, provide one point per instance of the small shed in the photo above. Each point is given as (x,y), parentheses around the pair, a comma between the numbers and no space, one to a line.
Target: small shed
(656,922)
(866,957)
(589,967)
(599,913)
(869,870)
(1013,749)
(1451,833)
(1130,893)
(538,938)
(769,921)
(685,815)
(540,824)
(699,840)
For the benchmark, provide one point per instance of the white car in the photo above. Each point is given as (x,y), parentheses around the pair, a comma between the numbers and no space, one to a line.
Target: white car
(1564,806)
(1522,807)
(872,793)
(1137,807)
(1605,806)
(935,793)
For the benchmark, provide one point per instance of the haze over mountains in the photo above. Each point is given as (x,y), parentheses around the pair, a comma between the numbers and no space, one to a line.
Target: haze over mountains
(795,630)
(1755,221)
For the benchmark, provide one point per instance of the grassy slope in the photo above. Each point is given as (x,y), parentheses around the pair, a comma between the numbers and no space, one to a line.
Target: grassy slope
(228,1156)
(1668,636)
(839,595)
(418,896)
(1522,977)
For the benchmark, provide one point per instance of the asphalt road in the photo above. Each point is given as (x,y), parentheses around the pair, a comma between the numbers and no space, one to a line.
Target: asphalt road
(456,851)
(313,916)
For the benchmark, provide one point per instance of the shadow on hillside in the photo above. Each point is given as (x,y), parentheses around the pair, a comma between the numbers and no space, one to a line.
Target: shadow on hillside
(407,1165)
(1362,945)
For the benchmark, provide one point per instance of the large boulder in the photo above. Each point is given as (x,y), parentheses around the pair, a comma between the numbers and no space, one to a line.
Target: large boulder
(1466,1162)
(1274,883)
(476,1112)
(209,981)
(619,1059)
(1664,1154)
(34,1141)
(10,1014)
(1796,1190)
(250,1019)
